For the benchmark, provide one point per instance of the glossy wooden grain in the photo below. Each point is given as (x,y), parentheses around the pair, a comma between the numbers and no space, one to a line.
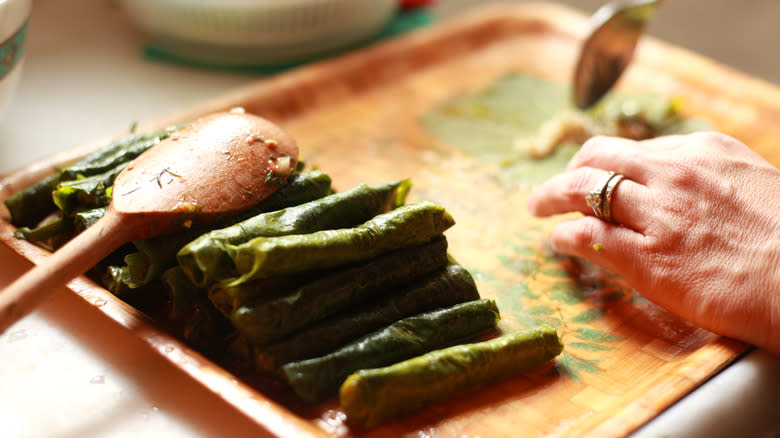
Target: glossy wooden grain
(625,360)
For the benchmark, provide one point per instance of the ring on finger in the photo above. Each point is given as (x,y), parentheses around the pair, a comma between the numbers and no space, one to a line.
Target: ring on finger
(609,190)
(595,197)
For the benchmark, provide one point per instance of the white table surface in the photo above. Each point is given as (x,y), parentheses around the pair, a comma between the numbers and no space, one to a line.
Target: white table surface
(65,376)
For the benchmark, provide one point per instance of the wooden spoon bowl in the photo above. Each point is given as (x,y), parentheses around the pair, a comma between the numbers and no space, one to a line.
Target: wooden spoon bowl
(219,165)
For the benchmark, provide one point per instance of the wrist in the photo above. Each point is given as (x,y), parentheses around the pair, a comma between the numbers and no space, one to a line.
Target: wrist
(773,321)
(772,328)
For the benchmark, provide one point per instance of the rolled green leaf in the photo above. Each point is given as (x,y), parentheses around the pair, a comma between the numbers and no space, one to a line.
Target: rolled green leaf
(142,269)
(122,150)
(206,259)
(207,330)
(185,296)
(408,225)
(157,254)
(443,288)
(72,198)
(84,219)
(269,319)
(372,396)
(86,193)
(54,228)
(228,299)
(301,187)
(29,206)
(316,379)
(115,279)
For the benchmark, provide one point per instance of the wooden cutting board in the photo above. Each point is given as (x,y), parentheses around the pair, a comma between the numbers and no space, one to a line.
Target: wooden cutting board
(358,118)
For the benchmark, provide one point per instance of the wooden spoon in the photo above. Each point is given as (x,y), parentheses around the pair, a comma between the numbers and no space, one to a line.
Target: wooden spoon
(219,165)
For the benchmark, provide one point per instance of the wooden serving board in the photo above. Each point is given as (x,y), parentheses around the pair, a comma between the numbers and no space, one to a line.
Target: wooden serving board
(358,118)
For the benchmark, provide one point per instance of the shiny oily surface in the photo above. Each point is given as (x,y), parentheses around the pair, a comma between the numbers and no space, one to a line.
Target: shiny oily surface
(165,189)
(220,164)
(609,48)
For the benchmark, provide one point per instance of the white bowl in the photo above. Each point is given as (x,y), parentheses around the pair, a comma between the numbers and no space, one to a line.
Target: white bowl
(258,32)
(14,16)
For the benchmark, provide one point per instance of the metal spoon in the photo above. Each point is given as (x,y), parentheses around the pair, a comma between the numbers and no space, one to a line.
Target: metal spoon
(608,49)
(220,164)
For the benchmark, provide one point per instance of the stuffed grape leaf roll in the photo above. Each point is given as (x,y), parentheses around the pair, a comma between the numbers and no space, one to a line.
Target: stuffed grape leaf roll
(372,396)
(268,319)
(443,288)
(206,259)
(405,226)
(320,377)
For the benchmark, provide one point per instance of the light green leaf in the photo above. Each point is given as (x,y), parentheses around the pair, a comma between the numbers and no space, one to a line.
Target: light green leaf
(597,336)
(588,316)
(541,310)
(586,346)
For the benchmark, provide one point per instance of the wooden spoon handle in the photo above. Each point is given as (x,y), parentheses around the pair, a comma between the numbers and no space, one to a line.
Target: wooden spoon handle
(76,257)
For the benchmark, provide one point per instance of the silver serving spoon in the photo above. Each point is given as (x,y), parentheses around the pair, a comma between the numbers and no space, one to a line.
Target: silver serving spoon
(608,49)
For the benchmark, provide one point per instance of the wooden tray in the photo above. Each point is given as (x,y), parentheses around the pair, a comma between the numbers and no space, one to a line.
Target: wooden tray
(358,118)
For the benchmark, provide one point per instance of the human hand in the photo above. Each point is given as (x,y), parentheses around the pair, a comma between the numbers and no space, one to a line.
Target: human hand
(697,227)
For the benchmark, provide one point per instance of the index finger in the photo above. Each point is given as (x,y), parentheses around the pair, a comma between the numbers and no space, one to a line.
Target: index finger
(614,154)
